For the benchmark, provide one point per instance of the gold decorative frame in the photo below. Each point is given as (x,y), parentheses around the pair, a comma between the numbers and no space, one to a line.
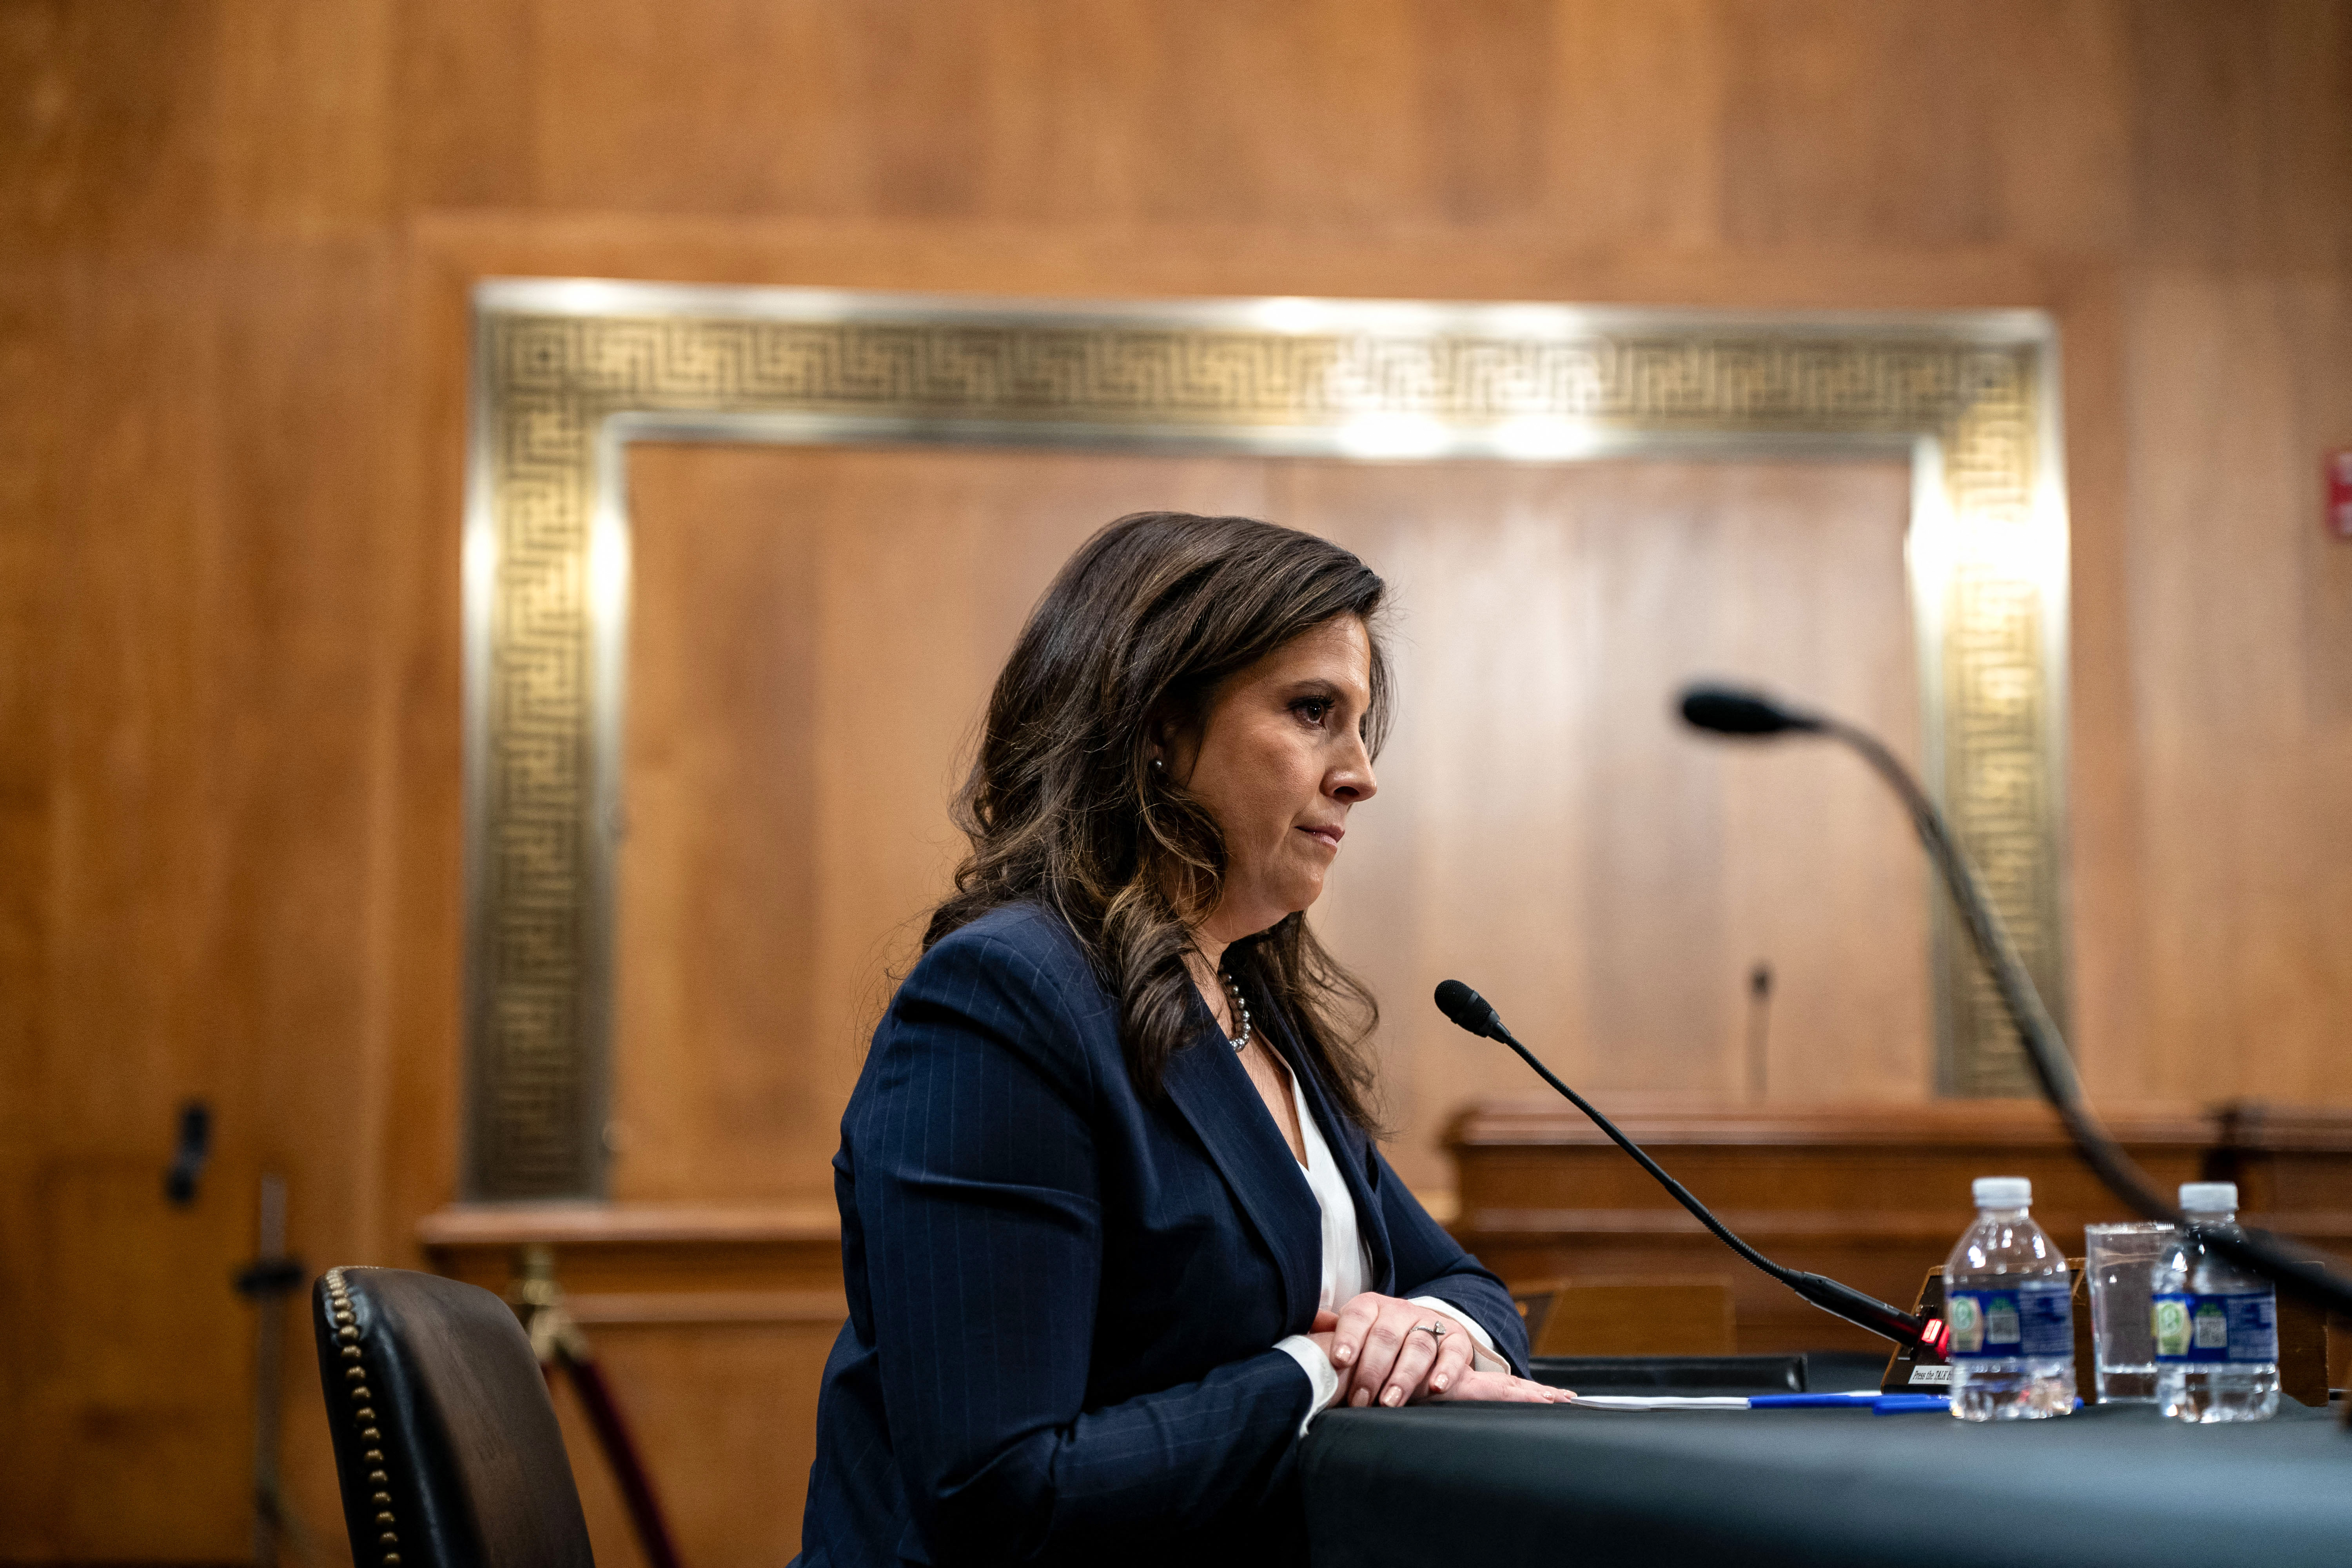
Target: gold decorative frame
(566,372)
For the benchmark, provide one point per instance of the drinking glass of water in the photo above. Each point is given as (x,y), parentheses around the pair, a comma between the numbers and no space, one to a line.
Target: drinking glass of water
(2122,1261)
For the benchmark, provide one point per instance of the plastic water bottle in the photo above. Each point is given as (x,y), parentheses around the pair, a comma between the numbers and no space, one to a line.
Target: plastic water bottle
(2010,1306)
(2216,1325)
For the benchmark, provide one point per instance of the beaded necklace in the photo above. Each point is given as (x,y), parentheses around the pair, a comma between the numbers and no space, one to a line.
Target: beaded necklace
(1241,1011)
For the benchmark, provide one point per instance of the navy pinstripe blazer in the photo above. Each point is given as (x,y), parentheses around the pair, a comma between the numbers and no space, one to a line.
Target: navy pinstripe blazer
(1063,1298)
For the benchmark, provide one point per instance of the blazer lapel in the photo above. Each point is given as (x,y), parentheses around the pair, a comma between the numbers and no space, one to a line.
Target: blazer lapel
(1352,1147)
(1215,1092)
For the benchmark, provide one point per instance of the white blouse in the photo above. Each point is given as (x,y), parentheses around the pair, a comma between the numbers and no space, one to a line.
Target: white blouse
(1347,1266)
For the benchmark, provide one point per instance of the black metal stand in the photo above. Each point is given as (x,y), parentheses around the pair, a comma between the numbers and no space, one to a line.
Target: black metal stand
(267,1281)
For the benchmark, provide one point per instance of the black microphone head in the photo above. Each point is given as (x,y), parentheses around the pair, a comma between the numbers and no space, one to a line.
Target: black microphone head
(1468,1009)
(1729,710)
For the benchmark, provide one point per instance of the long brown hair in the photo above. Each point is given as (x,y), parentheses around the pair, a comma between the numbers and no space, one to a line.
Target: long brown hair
(1133,637)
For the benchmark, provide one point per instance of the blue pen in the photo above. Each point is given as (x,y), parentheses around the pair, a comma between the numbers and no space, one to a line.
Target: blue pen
(1901,1403)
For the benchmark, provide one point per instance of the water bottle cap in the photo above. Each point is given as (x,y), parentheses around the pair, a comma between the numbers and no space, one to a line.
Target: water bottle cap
(2002,1192)
(2209,1197)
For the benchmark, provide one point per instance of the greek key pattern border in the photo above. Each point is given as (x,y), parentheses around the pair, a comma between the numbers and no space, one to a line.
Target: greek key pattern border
(549,380)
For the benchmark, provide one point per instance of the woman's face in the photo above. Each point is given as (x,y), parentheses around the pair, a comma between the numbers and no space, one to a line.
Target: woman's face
(1279,761)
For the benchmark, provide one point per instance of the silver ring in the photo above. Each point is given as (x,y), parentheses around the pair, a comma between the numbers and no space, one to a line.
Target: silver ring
(1435,1331)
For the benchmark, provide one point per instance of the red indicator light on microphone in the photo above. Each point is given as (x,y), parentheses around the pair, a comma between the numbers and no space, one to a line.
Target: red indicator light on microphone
(1937,1335)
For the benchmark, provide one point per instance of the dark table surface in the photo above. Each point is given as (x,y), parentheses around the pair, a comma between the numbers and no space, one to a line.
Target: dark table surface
(2113,1485)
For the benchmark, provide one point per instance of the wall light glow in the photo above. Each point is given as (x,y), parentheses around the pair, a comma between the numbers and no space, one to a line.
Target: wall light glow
(1532,438)
(1295,316)
(1394,436)
(480,561)
(1537,322)
(608,570)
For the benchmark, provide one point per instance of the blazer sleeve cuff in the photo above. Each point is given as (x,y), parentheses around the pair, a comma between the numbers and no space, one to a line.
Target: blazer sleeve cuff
(1485,1358)
(1319,1370)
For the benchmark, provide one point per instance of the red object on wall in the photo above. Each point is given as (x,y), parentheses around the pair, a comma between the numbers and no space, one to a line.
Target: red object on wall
(2339,492)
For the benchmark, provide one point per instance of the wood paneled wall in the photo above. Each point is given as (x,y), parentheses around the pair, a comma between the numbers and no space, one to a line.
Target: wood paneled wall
(238,234)
(814,632)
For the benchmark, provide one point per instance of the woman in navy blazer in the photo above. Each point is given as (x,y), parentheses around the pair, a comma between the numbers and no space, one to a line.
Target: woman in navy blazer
(1091,1283)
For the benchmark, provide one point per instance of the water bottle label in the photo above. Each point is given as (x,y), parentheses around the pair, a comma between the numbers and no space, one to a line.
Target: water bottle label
(2033,1318)
(2210,1329)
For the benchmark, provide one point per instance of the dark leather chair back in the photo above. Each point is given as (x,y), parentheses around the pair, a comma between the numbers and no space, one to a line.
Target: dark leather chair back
(446,1443)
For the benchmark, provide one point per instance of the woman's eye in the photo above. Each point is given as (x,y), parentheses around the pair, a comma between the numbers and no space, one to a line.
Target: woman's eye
(1314,709)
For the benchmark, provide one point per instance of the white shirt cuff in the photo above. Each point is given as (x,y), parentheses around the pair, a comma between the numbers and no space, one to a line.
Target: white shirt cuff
(1319,1370)
(1484,1358)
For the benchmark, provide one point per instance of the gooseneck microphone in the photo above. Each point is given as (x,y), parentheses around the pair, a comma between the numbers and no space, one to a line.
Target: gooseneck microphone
(1472,1012)
(1727,710)
(1750,715)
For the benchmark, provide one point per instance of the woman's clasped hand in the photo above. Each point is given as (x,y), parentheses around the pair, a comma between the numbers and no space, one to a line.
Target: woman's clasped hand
(1385,1354)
